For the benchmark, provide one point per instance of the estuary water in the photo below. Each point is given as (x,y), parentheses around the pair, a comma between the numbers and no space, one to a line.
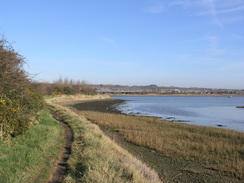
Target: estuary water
(218,112)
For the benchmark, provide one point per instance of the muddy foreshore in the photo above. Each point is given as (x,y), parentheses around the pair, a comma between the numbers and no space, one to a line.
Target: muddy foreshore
(169,169)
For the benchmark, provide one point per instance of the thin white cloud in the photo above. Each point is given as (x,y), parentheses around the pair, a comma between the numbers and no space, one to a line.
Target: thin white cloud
(108,40)
(220,7)
(157,7)
(238,36)
(229,6)
(213,45)
(213,8)
(234,66)
(183,3)
(233,19)
(209,8)
(194,40)
(230,10)
(208,60)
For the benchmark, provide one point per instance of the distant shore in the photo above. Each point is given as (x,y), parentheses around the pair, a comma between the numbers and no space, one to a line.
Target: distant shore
(239,106)
(181,95)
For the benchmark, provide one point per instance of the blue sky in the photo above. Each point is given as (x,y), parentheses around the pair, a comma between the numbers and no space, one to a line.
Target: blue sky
(186,43)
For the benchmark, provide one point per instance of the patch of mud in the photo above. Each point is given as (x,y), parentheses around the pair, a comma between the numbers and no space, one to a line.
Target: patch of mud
(61,168)
(169,169)
(107,106)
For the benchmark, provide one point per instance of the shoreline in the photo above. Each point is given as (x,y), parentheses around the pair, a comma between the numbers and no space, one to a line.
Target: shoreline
(167,167)
(195,121)
(177,95)
(108,105)
(105,105)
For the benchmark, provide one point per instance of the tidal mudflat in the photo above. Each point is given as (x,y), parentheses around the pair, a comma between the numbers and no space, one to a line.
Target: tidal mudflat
(188,153)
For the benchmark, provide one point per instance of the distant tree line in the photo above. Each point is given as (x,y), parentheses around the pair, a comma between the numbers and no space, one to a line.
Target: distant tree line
(19,102)
(64,86)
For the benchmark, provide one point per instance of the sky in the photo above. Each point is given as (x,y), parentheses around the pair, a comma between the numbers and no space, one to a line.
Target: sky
(184,43)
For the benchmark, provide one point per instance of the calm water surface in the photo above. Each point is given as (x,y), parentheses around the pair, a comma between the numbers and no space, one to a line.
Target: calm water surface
(204,111)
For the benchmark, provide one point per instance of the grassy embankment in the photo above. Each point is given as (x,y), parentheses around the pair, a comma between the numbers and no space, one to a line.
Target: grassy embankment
(95,158)
(31,157)
(218,149)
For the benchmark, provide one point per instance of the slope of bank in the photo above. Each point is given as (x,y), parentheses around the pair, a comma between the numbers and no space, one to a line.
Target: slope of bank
(31,157)
(95,157)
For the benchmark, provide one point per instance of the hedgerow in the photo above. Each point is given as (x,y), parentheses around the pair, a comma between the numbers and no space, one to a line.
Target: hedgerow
(19,103)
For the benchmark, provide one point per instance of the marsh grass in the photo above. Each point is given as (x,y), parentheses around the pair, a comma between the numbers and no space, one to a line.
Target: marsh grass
(30,157)
(218,149)
(95,158)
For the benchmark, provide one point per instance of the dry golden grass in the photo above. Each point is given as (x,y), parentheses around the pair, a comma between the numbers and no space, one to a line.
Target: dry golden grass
(96,158)
(218,149)
(66,99)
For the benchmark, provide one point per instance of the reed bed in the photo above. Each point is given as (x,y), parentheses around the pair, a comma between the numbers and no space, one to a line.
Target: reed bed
(218,149)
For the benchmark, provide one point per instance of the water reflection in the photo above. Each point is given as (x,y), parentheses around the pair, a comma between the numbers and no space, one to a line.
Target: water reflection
(206,111)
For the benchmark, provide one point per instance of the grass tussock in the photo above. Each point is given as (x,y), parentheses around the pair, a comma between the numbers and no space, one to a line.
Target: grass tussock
(218,149)
(30,157)
(95,158)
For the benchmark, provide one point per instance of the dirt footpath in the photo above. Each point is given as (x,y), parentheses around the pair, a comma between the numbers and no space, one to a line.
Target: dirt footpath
(61,168)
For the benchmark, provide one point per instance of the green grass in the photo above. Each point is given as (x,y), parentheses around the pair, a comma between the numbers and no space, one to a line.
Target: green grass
(30,157)
(95,158)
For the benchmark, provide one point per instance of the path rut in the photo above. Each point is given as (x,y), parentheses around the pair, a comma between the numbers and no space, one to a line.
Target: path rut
(62,166)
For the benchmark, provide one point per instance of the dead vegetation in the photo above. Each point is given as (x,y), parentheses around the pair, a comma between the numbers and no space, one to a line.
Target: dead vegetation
(64,86)
(218,149)
(96,158)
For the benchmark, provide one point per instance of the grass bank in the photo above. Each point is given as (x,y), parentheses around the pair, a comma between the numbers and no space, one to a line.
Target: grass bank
(217,149)
(31,157)
(96,158)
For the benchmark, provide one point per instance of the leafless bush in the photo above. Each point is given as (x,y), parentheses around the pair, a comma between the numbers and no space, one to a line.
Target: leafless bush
(64,86)
(12,74)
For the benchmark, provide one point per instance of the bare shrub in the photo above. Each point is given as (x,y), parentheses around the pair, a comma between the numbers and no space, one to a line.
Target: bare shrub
(64,86)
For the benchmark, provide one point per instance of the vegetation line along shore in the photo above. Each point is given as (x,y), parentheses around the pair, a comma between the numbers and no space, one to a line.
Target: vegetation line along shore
(239,106)
(219,149)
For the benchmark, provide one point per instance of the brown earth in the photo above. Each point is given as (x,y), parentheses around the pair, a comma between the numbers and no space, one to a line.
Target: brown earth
(61,168)
(169,169)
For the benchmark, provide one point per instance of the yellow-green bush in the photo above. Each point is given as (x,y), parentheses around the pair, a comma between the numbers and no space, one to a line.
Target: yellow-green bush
(19,103)
(57,92)
(16,114)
